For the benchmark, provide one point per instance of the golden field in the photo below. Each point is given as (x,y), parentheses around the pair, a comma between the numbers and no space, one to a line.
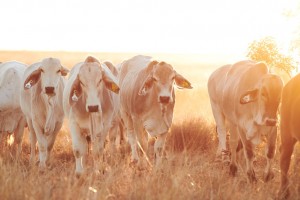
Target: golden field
(189,172)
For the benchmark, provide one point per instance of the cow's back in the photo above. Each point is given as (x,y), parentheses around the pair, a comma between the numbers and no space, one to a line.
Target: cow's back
(216,83)
(131,79)
(242,77)
(10,80)
(290,108)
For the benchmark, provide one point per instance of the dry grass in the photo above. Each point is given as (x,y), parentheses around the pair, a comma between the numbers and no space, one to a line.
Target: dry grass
(188,173)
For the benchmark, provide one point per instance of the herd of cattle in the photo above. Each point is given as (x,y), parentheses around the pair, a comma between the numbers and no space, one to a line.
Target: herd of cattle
(100,99)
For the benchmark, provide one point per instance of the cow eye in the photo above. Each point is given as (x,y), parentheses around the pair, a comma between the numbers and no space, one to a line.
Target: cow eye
(58,71)
(42,70)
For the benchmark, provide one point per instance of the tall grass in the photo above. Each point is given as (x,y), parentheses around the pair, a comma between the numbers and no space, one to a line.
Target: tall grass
(189,172)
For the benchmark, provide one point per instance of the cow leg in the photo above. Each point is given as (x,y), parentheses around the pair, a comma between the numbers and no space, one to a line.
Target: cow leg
(52,137)
(159,147)
(270,152)
(114,138)
(98,147)
(142,137)
(3,142)
(32,137)
(248,152)
(42,144)
(221,131)
(234,139)
(132,139)
(287,147)
(79,144)
(19,136)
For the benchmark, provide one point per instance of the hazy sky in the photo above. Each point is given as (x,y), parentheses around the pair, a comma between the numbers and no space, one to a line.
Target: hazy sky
(185,26)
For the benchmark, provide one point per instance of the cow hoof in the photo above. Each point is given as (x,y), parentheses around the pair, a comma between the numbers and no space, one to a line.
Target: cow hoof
(42,170)
(232,170)
(268,176)
(251,176)
(78,175)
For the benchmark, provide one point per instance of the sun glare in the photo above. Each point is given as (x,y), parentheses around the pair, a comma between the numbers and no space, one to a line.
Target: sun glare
(216,26)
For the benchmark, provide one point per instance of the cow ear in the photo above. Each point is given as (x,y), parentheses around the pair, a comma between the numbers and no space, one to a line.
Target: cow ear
(75,92)
(249,96)
(32,79)
(111,84)
(181,82)
(148,83)
(64,71)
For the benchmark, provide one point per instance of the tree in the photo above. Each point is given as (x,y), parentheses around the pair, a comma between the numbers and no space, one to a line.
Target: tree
(266,49)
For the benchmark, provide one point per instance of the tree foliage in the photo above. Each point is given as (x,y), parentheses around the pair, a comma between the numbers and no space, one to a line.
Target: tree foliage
(266,49)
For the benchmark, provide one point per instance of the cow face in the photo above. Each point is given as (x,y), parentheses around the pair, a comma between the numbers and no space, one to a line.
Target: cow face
(161,81)
(49,74)
(90,82)
(266,99)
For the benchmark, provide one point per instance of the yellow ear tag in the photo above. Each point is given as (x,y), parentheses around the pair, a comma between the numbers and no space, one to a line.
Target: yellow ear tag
(115,88)
(185,84)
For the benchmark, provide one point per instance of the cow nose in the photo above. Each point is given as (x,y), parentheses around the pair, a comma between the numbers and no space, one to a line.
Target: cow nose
(164,99)
(271,122)
(49,90)
(93,108)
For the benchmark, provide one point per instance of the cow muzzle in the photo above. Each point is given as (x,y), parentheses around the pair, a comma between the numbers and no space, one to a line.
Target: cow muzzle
(94,108)
(49,91)
(164,99)
(271,122)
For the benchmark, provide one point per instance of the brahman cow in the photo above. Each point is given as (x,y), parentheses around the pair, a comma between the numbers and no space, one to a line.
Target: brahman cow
(41,102)
(12,119)
(88,104)
(147,100)
(246,96)
(289,129)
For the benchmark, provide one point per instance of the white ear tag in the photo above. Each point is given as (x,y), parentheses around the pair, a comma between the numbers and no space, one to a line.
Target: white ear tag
(246,98)
(74,97)
(28,85)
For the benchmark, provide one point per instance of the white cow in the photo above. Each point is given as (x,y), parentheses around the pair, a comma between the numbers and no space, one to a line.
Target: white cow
(147,100)
(41,102)
(88,104)
(246,96)
(12,119)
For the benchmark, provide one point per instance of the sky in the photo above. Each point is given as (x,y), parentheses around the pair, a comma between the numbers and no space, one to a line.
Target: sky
(170,26)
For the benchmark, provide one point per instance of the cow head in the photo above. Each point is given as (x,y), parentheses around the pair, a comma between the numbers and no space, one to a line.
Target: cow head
(49,73)
(266,98)
(91,79)
(160,80)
